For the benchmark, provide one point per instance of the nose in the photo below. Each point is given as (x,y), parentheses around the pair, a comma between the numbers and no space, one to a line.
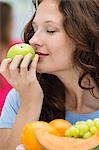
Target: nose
(36,41)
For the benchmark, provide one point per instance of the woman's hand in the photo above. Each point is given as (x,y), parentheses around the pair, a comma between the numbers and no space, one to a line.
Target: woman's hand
(22,79)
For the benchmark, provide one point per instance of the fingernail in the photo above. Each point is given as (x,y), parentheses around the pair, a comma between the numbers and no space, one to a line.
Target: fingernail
(36,55)
(36,58)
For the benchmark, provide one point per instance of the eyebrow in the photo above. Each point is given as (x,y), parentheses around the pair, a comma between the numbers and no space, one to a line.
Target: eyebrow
(48,21)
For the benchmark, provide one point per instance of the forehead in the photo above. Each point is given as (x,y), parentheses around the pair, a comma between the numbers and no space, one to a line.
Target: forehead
(48,10)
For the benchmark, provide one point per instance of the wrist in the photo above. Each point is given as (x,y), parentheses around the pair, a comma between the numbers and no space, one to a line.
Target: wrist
(31,105)
(31,112)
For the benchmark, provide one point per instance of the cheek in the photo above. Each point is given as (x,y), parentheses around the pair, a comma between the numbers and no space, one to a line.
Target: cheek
(62,53)
(63,59)
(59,61)
(61,43)
(62,56)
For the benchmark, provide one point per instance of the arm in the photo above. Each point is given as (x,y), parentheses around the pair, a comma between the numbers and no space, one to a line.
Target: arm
(31,97)
(26,114)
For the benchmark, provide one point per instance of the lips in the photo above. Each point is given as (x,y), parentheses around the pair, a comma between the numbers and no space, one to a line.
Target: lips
(40,53)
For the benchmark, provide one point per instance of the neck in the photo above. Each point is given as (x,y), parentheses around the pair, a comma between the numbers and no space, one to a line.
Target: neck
(77,98)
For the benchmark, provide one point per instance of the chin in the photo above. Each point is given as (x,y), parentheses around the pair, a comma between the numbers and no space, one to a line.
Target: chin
(42,70)
(47,70)
(39,70)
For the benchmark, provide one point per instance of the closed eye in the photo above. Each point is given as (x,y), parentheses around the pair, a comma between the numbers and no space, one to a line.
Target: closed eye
(51,31)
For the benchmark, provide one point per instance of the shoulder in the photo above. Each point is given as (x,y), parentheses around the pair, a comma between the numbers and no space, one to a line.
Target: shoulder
(10,109)
(13,92)
(13,97)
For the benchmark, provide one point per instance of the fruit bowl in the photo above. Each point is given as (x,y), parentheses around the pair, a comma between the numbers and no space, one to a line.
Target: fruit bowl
(61,135)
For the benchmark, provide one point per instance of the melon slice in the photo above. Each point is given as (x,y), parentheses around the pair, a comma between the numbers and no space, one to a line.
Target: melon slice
(53,142)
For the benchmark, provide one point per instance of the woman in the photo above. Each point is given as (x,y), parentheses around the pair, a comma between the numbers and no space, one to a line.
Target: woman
(63,79)
(6,26)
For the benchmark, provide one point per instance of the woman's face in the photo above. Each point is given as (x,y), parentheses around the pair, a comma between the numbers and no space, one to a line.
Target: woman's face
(50,38)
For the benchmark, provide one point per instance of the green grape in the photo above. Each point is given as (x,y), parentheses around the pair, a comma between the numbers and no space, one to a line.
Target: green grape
(67,133)
(93,130)
(87,135)
(83,128)
(97,125)
(96,119)
(90,123)
(73,132)
(96,122)
(80,122)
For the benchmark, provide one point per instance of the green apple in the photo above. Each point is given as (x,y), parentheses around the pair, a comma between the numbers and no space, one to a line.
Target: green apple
(20,49)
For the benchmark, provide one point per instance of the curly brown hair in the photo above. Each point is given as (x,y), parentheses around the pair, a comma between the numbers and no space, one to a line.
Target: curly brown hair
(81,23)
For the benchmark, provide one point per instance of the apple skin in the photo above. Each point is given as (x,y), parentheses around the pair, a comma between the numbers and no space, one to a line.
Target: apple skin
(20,49)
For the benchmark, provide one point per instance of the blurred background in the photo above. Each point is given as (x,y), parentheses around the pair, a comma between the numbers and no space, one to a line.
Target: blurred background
(14,15)
(22,12)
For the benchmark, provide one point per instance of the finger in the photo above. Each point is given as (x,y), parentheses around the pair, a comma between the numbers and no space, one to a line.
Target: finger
(33,66)
(25,63)
(16,61)
(14,70)
(4,67)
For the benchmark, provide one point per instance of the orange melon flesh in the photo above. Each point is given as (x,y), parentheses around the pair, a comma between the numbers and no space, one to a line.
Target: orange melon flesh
(52,142)
(28,138)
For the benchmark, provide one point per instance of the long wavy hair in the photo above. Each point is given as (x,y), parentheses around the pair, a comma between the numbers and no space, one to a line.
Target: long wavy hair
(81,23)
